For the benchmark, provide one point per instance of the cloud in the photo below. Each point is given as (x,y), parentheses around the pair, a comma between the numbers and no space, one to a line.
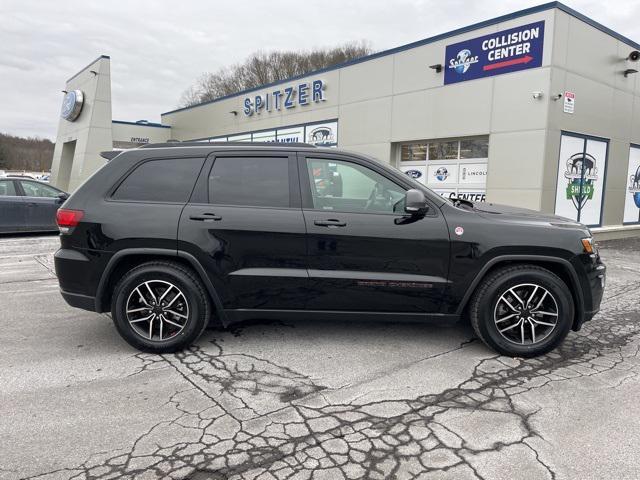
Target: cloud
(158,48)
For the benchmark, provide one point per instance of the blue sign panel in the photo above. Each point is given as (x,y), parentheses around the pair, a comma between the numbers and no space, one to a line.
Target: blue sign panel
(501,52)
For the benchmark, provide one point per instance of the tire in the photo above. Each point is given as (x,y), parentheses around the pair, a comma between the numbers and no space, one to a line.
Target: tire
(511,313)
(177,324)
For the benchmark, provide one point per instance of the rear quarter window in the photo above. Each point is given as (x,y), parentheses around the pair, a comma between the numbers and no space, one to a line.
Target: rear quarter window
(165,180)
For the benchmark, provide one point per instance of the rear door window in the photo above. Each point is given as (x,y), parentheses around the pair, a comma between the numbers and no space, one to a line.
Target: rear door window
(7,188)
(250,181)
(34,189)
(165,181)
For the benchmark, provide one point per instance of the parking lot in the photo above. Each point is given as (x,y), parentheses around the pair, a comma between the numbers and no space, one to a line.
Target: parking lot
(308,400)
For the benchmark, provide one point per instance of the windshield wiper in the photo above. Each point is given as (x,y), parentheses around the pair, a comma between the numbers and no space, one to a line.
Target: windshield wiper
(457,201)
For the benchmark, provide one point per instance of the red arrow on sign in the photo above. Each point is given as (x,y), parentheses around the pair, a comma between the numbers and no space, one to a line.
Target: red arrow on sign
(508,63)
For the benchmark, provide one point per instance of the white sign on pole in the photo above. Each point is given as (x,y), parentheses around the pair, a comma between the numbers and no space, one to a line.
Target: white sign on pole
(569,102)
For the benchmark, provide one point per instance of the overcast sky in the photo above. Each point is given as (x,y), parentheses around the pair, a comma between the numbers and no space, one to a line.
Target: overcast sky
(158,48)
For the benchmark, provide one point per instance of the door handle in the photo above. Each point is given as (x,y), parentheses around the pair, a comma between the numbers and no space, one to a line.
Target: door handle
(332,222)
(206,217)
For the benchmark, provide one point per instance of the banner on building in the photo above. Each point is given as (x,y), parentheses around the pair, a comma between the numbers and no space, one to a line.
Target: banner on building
(507,51)
(632,193)
(581,170)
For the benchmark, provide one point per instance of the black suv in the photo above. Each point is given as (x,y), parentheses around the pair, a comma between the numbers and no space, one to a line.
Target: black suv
(169,236)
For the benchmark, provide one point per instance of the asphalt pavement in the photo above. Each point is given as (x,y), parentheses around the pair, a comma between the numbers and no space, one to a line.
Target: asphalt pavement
(310,400)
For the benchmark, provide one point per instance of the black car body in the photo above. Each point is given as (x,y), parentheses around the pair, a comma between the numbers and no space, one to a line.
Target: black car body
(269,231)
(28,205)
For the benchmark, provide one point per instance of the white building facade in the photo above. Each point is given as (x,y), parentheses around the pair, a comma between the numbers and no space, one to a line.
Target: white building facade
(539,109)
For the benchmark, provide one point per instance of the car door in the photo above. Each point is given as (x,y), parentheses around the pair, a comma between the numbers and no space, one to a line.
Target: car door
(13,209)
(42,202)
(364,253)
(244,224)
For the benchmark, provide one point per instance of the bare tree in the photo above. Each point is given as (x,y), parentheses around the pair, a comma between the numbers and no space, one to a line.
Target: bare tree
(18,153)
(267,67)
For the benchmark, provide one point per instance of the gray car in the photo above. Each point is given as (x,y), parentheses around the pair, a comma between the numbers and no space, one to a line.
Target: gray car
(28,205)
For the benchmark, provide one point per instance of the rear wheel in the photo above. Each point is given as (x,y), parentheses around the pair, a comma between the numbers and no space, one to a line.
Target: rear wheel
(522,311)
(160,307)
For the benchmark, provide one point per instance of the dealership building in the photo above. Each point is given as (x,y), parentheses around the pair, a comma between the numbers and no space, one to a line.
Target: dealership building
(539,108)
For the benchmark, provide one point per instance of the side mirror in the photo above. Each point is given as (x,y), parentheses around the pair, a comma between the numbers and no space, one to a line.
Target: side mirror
(415,202)
(63,196)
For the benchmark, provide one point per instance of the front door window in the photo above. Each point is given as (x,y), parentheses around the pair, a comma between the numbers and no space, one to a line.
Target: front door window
(348,187)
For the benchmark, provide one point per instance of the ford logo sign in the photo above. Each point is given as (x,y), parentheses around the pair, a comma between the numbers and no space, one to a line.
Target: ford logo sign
(414,173)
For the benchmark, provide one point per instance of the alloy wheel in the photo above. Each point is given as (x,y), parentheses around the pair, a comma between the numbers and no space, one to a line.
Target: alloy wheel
(526,314)
(157,310)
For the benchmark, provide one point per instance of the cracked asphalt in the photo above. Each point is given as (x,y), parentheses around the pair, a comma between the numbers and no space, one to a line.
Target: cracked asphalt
(308,400)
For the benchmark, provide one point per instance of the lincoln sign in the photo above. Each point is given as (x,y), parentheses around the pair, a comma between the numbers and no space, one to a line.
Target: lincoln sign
(502,52)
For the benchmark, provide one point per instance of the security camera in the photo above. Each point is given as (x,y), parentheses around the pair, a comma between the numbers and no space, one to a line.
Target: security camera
(536,95)
(634,56)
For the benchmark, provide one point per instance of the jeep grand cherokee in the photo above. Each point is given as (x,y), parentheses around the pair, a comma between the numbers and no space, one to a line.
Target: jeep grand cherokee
(169,236)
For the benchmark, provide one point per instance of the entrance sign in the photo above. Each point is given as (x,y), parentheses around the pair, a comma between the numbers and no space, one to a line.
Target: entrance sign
(507,51)
(632,194)
(581,170)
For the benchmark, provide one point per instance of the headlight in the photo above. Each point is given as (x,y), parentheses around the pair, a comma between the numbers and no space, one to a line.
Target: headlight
(588,245)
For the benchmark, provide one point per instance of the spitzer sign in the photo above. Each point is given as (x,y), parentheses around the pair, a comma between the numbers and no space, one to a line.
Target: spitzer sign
(507,51)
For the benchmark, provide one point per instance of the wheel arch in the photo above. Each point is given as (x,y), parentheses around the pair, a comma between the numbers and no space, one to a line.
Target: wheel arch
(124,260)
(559,266)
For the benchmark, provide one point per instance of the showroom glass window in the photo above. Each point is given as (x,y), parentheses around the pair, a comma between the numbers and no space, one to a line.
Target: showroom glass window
(250,181)
(350,187)
(166,180)
(455,149)
(413,152)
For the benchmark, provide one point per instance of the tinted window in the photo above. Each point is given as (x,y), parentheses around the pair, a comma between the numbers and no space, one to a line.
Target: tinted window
(33,189)
(7,189)
(349,187)
(255,181)
(160,181)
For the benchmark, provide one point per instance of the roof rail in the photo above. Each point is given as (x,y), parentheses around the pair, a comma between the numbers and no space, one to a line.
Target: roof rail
(227,144)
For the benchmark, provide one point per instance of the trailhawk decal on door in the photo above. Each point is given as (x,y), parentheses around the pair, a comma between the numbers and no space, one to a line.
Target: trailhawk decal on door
(581,168)
(506,51)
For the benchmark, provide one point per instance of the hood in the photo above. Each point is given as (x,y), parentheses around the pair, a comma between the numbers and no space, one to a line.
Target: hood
(508,213)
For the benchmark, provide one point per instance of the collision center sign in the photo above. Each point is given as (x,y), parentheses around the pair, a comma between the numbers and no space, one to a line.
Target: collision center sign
(501,52)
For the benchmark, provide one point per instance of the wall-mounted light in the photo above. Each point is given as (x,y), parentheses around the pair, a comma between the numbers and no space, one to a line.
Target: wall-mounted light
(437,67)
(94,72)
(629,71)
(556,97)
(234,112)
(536,95)
(634,56)
(65,92)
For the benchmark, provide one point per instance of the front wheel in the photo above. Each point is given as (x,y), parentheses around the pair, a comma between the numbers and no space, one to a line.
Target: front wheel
(160,307)
(522,311)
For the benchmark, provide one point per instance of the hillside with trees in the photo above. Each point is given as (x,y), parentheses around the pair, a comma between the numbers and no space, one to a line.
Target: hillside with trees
(262,68)
(30,154)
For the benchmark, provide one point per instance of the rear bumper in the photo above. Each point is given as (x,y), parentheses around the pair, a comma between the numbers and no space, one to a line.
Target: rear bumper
(74,272)
(78,300)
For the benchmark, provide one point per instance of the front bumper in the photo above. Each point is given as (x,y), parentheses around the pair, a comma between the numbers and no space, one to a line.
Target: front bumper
(593,283)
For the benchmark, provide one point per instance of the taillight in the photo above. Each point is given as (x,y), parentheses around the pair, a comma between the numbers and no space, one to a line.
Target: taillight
(68,219)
